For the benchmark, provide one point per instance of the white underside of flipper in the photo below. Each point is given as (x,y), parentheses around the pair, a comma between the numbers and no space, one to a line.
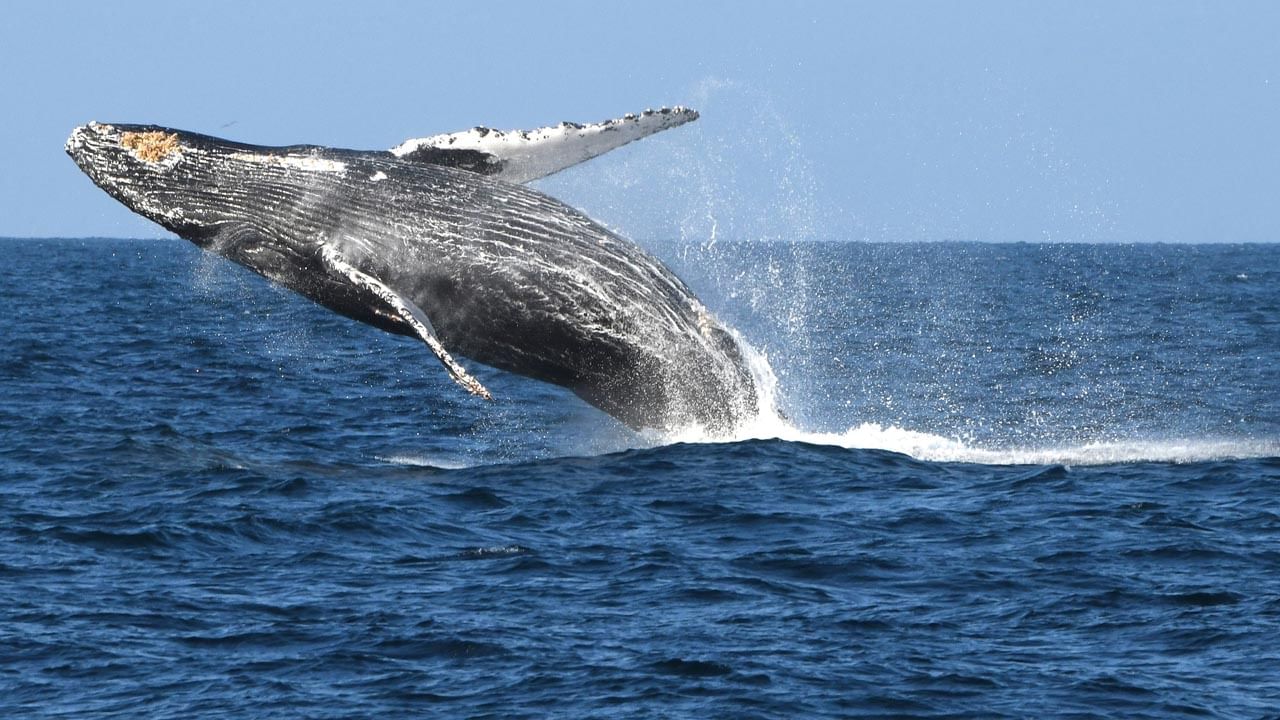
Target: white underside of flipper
(409,313)
(519,156)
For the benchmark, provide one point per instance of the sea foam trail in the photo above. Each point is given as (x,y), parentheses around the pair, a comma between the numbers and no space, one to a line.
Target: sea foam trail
(770,424)
(936,448)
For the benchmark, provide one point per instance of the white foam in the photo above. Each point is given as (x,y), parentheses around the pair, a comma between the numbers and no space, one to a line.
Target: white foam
(769,424)
(494,551)
(428,461)
(936,448)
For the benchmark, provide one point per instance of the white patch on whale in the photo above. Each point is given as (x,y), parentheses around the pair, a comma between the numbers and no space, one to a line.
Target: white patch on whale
(306,163)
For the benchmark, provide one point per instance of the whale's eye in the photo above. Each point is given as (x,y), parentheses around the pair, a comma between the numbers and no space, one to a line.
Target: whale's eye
(150,146)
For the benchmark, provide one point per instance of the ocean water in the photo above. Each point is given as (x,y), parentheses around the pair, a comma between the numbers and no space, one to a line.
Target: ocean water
(1012,481)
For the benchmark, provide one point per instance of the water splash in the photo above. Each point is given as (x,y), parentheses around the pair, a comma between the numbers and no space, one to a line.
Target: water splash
(739,175)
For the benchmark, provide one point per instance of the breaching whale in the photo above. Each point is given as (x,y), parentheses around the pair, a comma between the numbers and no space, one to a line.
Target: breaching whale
(438,239)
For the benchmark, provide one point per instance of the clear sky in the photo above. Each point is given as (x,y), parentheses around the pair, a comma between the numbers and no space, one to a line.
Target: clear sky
(1005,121)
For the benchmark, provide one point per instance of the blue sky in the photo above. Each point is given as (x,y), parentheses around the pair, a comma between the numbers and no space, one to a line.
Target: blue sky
(1071,121)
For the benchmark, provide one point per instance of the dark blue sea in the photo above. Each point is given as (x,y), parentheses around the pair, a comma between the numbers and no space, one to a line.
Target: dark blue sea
(1011,481)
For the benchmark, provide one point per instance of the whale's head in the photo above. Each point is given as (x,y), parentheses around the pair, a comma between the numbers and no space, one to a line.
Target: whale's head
(154,172)
(265,208)
(200,187)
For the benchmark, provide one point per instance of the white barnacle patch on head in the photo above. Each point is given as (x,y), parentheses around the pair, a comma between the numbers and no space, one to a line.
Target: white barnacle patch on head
(378,176)
(305,163)
(76,140)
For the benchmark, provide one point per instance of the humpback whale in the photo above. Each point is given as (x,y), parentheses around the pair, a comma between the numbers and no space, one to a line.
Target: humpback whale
(439,239)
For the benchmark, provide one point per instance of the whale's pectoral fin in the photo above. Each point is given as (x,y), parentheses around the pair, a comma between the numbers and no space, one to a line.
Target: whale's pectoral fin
(409,312)
(522,155)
